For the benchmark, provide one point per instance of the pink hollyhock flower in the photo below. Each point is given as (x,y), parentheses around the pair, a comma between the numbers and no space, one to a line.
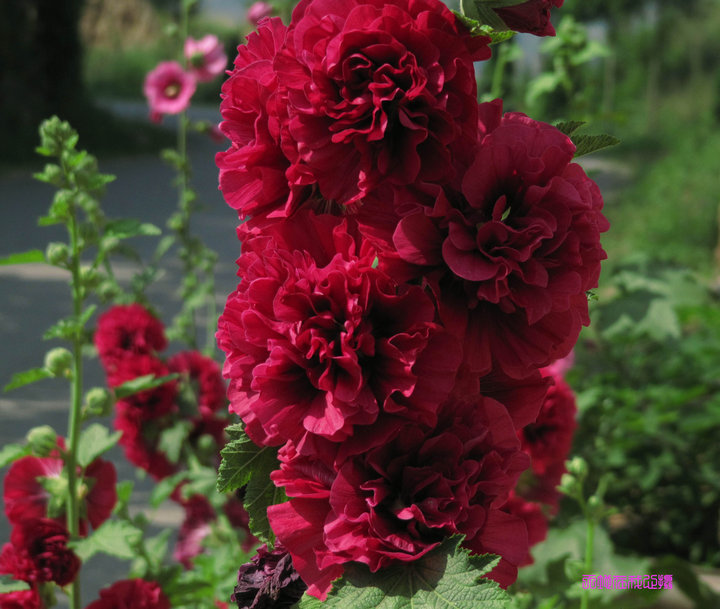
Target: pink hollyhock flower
(38,552)
(206,57)
(512,256)
(532,17)
(378,92)
(25,497)
(319,342)
(135,593)
(258,11)
(168,89)
(23,599)
(128,330)
(397,501)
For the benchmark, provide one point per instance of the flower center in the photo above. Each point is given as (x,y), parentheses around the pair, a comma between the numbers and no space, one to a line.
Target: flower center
(172,90)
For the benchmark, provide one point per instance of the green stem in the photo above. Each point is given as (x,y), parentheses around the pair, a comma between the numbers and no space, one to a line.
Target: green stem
(589,549)
(73,514)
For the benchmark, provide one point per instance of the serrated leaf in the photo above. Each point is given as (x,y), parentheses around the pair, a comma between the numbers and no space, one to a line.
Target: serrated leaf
(446,578)
(23,258)
(585,144)
(261,493)
(568,127)
(114,538)
(142,383)
(64,329)
(240,457)
(94,441)
(130,227)
(19,379)
(13,452)
(8,584)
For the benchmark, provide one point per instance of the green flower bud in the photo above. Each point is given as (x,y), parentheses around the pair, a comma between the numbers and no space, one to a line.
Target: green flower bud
(578,466)
(59,361)
(42,440)
(89,277)
(98,401)
(57,253)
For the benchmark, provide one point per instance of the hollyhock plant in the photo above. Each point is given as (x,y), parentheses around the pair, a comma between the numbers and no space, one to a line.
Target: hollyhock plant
(512,255)
(21,599)
(378,92)
(397,501)
(135,593)
(532,17)
(206,57)
(168,89)
(38,552)
(319,349)
(258,11)
(269,580)
(150,403)
(26,497)
(128,330)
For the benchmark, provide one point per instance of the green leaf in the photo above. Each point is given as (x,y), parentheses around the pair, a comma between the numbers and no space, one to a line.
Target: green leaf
(239,459)
(20,379)
(568,127)
(13,452)
(585,144)
(261,493)
(446,578)
(114,538)
(8,584)
(94,441)
(165,487)
(173,439)
(142,383)
(23,258)
(130,227)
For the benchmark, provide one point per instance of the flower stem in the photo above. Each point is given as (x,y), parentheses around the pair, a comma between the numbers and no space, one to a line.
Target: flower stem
(73,515)
(589,549)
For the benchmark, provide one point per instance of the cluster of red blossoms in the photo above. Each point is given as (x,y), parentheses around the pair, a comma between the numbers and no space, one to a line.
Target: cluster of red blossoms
(38,551)
(411,261)
(129,340)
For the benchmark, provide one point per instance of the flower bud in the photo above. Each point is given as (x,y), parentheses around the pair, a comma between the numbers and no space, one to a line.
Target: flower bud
(58,361)
(578,466)
(98,401)
(42,440)
(57,253)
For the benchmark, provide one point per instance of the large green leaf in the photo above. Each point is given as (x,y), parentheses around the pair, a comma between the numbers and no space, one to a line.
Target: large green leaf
(446,578)
(94,441)
(20,379)
(240,457)
(114,537)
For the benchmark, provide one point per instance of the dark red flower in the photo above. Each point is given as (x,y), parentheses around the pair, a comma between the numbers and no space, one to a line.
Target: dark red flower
(512,258)
(378,92)
(535,521)
(548,442)
(128,330)
(135,593)
(150,403)
(139,440)
(269,581)
(319,343)
(38,552)
(25,497)
(532,17)
(204,377)
(397,501)
(23,599)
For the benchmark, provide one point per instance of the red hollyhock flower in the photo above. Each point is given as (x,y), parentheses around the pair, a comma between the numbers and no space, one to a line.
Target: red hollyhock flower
(128,330)
(23,599)
(535,521)
(151,403)
(38,552)
(512,258)
(378,92)
(319,343)
(548,441)
(532,17)
(194,528)
(139,441)
(25,497)
(204,376)
(397,501)
(135,593)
